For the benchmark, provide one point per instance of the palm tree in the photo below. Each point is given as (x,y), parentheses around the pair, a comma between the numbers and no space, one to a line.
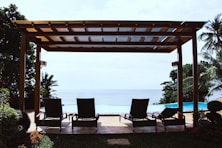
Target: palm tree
(47,83)
(214,69)
(213,38)
(212,52)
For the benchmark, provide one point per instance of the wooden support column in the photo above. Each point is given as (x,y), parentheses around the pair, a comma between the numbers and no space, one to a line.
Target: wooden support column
(195,81)
(37,80)
(180,80)
(22,69)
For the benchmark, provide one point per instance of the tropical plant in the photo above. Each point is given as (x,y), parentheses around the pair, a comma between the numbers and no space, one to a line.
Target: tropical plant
(8,119)
(212,52)
(38,140)
(204,82)
(13,123)
(47,83)
(169,92)
(169,89)
(9,49)
(9,54)
(213,38)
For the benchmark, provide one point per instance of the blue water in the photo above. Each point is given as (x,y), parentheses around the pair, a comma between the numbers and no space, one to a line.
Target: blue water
(119,101)
(187,106)
(110,96)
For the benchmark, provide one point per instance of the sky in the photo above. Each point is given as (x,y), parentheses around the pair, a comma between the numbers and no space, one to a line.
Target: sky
(115,70)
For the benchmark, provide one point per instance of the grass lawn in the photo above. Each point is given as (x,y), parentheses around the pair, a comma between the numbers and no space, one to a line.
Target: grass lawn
(148,140)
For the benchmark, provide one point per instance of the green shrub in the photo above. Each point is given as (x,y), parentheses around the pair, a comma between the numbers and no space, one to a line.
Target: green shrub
(8,123)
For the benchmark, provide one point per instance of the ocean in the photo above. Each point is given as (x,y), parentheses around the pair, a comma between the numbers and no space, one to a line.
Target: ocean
(110,96)
(114,100)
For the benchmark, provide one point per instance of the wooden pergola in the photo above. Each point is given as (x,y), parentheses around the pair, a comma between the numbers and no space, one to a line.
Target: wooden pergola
(109,36)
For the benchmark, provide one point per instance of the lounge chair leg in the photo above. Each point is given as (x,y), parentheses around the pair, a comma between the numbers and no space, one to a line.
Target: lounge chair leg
(133,129)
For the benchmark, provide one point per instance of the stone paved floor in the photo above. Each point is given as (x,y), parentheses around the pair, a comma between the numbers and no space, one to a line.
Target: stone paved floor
(108,125)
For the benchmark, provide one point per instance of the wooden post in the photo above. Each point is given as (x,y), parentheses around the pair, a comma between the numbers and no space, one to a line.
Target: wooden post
(195,81)
(37,80)
(22,69)
(180,80)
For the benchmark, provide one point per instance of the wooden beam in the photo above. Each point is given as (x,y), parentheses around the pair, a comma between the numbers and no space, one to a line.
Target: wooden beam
(110,49)
(22,67)
(195,81)
(180,80)
(128,42)
(37,80)
(155,39)
(86,33)
(111,23)
(142,39)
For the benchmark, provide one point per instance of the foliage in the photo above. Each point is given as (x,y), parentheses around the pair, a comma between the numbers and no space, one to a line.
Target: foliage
(204,82)
(212,50)
(45,142)
(170,87)
(213,38)
(4,95)
(13,123)
(8,119)
(170,92)
(47,83)
(210,70)
(209,123)
(9,49)
(214,69)
(8,123)
(10,54)
(39,141)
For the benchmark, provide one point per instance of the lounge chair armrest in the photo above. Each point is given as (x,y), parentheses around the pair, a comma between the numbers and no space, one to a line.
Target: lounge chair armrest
(150,115)
(127,116)
(97,116)
(182,115)
(65,115)
(156,115)
(75,115)
(40,113)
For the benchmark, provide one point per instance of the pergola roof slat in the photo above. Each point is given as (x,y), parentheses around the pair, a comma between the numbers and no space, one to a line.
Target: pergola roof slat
(90,36)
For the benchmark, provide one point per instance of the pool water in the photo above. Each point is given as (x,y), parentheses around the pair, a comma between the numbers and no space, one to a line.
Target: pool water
(187,106)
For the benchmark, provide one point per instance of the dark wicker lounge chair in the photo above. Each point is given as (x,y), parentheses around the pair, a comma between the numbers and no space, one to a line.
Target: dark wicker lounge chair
(138,114)
(53,114)
(168,117)
(86,116)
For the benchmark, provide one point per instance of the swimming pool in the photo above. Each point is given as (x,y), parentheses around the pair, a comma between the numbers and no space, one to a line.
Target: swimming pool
(102,108)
